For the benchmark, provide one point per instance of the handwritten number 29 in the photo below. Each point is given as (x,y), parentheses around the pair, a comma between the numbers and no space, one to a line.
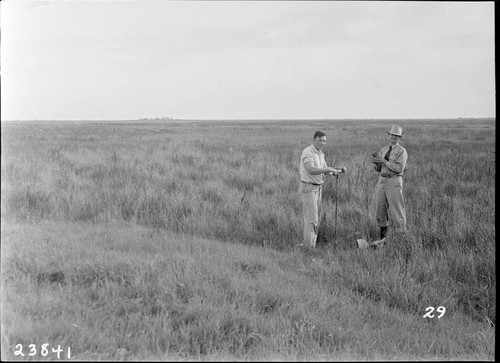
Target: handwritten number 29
(429,314)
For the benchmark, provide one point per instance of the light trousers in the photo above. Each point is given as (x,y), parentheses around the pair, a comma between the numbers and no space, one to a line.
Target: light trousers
(311,205)
(390,201)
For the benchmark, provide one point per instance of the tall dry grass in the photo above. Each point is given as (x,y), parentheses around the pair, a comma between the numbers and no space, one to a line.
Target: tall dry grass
(122,292)
(238,182)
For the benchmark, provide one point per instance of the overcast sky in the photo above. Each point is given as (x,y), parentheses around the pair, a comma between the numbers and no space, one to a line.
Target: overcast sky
(99,60)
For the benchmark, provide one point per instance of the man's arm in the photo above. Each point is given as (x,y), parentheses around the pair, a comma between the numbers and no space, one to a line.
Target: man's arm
(398,165)
(313,170)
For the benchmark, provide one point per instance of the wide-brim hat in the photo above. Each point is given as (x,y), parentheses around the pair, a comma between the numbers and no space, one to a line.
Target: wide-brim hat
(396,130)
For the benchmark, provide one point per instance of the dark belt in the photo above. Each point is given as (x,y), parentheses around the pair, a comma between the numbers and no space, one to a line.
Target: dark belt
(385,175)
(318,185)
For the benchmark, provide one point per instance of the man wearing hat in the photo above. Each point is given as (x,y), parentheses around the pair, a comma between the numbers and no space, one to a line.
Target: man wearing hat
(390,162)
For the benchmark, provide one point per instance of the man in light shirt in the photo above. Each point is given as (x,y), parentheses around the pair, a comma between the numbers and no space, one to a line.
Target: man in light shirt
(312,170)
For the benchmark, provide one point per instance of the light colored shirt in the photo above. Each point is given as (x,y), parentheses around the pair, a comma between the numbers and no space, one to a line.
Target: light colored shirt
(397,160)
(311,154)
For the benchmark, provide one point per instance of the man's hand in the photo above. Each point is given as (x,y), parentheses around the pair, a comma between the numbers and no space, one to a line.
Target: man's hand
(378,159)
(332,171)
(336,171)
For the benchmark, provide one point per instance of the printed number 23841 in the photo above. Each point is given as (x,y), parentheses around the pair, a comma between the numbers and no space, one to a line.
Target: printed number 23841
(44,350)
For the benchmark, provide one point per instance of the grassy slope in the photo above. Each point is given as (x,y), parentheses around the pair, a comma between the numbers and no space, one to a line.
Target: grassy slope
(117,291)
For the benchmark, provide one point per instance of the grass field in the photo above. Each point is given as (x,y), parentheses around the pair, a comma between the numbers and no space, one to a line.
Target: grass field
(178,240)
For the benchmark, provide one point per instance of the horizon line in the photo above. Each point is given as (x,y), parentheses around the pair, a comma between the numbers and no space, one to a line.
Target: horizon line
(256,119)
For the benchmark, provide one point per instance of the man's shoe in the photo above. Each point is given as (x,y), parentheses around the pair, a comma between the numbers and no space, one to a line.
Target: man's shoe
(383,232)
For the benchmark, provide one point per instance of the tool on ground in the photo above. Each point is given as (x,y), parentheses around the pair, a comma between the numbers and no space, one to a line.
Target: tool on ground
(336,204)
(341,170)
(362,243)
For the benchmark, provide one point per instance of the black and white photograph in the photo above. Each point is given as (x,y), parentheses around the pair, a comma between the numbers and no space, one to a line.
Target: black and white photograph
(195,180)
